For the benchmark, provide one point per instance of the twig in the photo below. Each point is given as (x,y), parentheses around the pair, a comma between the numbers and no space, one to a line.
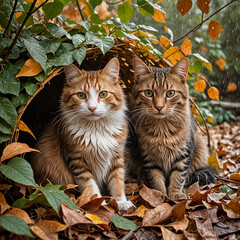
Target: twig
(19,32)
(226,180)
(39,6)
(224,104)
(203,21)
(80,10)
(10,19)
(205,123)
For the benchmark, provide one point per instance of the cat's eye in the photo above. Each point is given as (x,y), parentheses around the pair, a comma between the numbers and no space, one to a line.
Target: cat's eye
(170,93)
(103,94)
(148,93)
(81,95)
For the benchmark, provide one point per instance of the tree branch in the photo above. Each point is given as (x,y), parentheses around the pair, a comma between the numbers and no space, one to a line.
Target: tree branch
(203,21)
(19,32)
(10,19)
(80,10)
(39,6)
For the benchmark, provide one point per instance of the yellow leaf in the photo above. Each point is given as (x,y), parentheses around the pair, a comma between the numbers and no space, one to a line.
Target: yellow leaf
(184,6)
(214,29)
(1,28)
(86,10)
(14,149)
(213,93)
(194,110)
(23,127)
(232,87)
(173,55)
(165,42)
(203,5)
(220,62)
(159,16)
(95,219)
(106,28)
(213,161)
(210,120)
(200,85)
(30,68)
(18,14)
(186,47)
(146,34)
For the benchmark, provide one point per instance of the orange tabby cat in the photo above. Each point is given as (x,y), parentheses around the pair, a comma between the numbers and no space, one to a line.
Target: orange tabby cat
(166,147)
(86,146)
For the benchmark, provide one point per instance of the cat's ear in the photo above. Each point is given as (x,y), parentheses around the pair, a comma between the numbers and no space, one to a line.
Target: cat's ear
(112,69)
(71,73)
(181,69)
(140,68)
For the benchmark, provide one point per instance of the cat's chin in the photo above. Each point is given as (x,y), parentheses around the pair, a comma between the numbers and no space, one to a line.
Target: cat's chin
(159,116)
(93,117)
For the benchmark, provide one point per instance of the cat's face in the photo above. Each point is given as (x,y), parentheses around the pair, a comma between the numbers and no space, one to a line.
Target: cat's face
(160,93)
(92,95)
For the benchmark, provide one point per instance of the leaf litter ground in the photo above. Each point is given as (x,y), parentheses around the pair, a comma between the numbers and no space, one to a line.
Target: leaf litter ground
(209,212)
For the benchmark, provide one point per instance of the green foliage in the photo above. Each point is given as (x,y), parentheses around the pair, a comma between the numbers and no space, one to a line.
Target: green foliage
(123,223)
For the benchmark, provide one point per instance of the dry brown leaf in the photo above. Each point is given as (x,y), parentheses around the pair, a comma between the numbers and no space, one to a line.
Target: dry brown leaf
(51,226)
(85,196)
(42,235)
(5,187)
(94,204)
(179,225)
(3,204)
(157,215)
(40,211)
(30,68)
(232,208)
(178,210)
(73,216)
(103,11)
(144,234)
(151,196)
(235,177)
(198,197)
(214,29)
(140,212)
(23,127)
(227,227)
(104,214)
(192,189)
(71,11)
(186,47)
(16,148)
(203,5)
(17,212)
(169,235)
(98,221)
(184,6)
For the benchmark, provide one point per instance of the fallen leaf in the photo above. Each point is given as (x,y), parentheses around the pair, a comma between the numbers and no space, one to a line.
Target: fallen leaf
(85,196)
(151,196)
(203,5)
(220,62)
(30,68)
(42,235)
(94,204)
(186,47)
(3,204)
(97,220)
(227,227)
(144,234)
(157,215)
(17,212)
(200,85)
(23,127)
(169,235)
(16,148)
(232,208)
(198,197)
(214,29)
(178,210)
(179,225)
(140,212)
(235,177)
(123,223)
(184,6)
(104,214)
(5,187)
(213,161)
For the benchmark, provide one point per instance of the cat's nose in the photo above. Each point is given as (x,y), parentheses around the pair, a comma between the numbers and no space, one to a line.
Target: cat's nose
(159,108)
(92,109)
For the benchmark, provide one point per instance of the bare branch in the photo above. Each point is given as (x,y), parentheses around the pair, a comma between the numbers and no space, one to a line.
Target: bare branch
(203,21)
(80,10)
(39,6)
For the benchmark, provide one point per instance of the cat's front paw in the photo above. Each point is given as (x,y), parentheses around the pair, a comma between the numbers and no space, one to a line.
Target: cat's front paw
(125,205)
(177,196)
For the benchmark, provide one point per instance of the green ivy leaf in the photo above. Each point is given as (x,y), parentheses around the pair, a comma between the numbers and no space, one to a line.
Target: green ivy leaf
(123,223)
(22,99)
(30,87)
(56,197)
(56,30)
(77,39)
(3,20)
(8,83)
(64,59)
(95,3)
(96,19)
(40,77)
(50,45)
(4,137)
(145,8)
(53,9)
(20,171)
(104,43)
(125,11)
(36,50)
(85,24)
(8,111)
(5,128)
(79,54)
(36,28)
(15,225)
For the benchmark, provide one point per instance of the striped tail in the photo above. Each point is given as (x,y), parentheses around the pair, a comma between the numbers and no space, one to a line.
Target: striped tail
(204,176)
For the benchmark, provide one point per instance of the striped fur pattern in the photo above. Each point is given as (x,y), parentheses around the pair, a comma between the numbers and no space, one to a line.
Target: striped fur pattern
(86,145)
(165,147)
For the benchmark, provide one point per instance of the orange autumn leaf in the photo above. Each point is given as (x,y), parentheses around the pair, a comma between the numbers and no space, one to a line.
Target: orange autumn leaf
(30,68)
(214,29)
(18,14)
(184,6)
(86,10)
(159,16)
(173,55)
(220,62)
(23,127)
(203,5)
(186,47)
(165,42)
(213,93)
(200,85)
(1,28)
(232,87)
